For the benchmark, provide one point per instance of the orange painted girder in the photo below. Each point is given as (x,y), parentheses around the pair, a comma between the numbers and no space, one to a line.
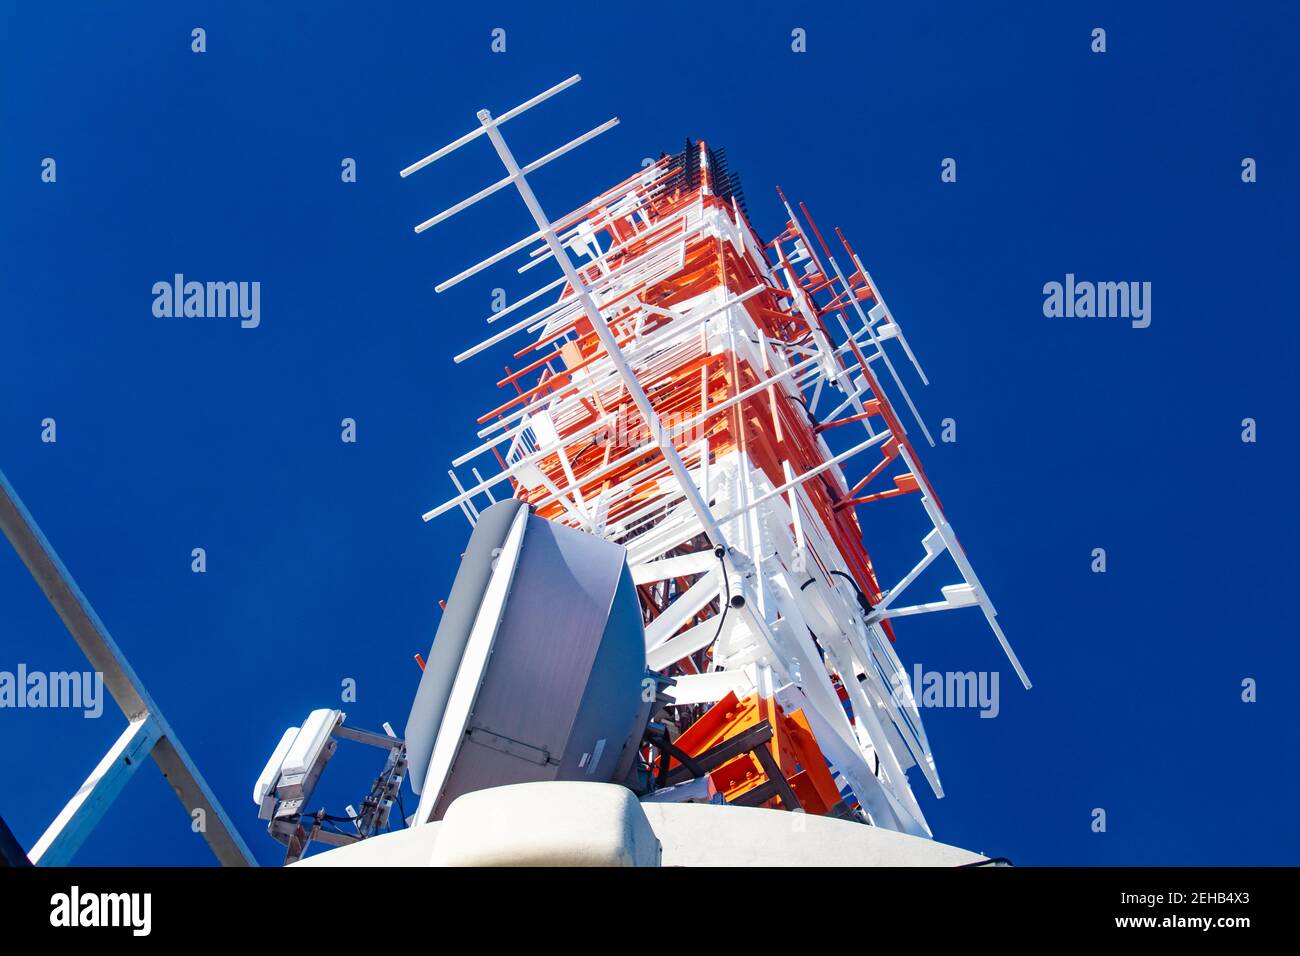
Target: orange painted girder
(792,744)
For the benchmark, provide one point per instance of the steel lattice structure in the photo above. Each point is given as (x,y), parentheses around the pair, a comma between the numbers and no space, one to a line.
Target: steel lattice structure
(679,379)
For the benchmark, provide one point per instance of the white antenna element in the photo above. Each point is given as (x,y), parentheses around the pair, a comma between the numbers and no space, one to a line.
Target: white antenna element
(546,232)
(733,499)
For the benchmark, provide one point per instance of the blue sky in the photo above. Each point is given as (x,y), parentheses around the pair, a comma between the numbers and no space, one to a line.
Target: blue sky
(1072,433)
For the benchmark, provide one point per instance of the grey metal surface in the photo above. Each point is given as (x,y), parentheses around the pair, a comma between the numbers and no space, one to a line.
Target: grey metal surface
(453,633)
(560,696)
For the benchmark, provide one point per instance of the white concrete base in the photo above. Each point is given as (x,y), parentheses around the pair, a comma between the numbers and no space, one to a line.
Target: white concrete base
(589,824)
(557,823)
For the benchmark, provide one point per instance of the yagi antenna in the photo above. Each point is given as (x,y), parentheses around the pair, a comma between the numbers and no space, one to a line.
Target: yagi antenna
(548,232)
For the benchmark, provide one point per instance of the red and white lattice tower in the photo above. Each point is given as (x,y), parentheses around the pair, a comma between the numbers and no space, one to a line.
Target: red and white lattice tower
(680,377)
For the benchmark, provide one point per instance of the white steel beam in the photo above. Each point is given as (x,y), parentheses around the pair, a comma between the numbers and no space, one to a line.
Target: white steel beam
(75,822)
(601,328)
(126,688)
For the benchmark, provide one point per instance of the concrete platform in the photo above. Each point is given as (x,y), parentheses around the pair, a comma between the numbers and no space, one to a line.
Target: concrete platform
(587,824)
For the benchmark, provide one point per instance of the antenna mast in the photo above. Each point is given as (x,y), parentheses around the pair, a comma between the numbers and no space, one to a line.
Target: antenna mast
(676,397)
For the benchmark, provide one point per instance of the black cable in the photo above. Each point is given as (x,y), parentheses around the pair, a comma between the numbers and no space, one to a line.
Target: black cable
(331,827)
(594,441)
(866,605)
(726,605)
(807,411)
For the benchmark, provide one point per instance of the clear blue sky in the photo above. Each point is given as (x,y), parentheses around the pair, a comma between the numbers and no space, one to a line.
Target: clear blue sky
(1072,434)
